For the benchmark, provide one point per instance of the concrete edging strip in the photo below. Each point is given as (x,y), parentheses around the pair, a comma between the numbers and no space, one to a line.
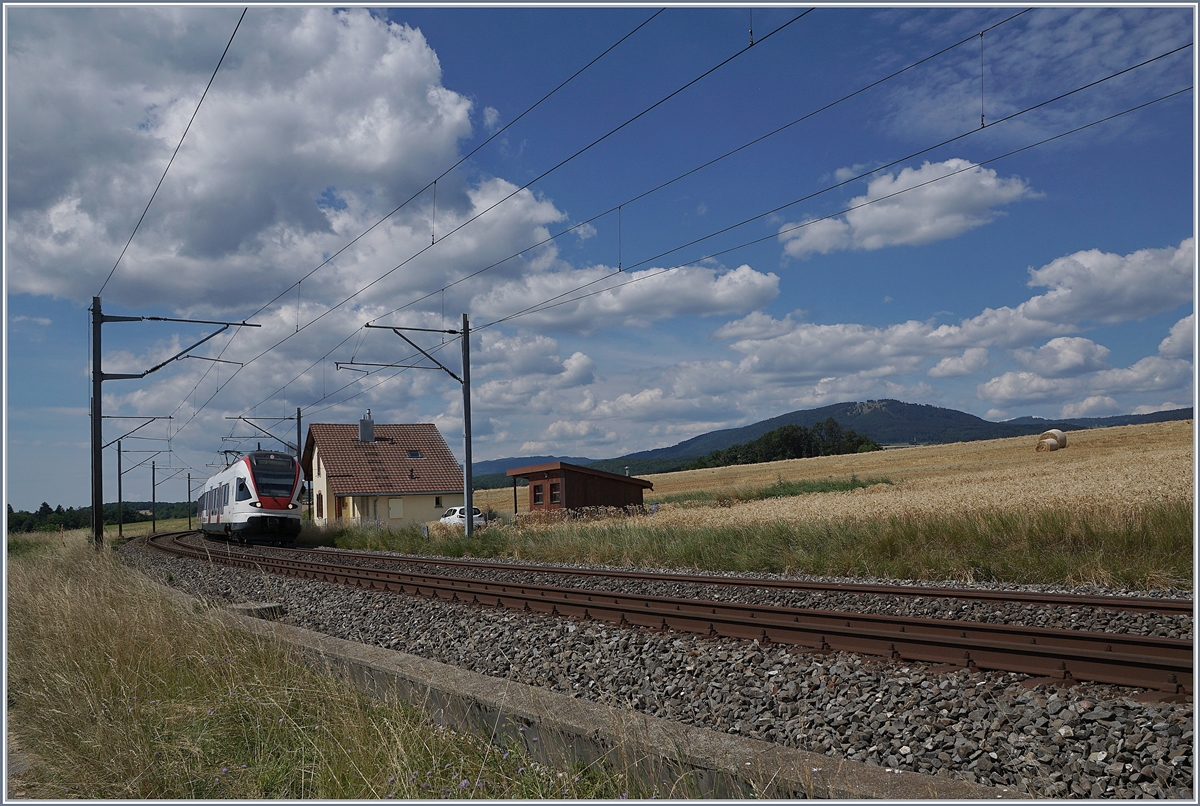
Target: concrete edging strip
(680,760)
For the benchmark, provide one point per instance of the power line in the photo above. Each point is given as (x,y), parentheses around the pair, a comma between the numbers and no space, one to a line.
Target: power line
(617,208)
(443,174)
(560,164)
(432,184)
(856,178)
(172,160)
(557,300)
(528,184)
(543,306)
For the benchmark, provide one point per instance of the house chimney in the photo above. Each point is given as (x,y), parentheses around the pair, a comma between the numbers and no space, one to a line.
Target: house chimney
(626,470)
(366,428)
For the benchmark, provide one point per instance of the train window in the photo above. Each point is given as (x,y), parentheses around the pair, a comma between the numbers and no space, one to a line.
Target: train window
(224,495)
(243,492)
(274,476)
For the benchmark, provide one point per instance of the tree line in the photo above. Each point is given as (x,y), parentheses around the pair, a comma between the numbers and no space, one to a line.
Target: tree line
(790,442)
(47,519)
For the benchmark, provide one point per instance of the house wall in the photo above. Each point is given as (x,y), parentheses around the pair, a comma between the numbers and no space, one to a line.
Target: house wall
(579,490)
(416,509)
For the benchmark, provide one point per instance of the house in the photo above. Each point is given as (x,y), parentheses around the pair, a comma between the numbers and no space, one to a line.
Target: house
(391,474)
(559,485)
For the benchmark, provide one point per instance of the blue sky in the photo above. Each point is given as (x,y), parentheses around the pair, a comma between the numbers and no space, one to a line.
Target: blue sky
(1054,281)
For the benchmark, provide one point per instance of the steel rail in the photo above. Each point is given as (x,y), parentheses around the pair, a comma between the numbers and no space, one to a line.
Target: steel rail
(1162,664)
(1139,604)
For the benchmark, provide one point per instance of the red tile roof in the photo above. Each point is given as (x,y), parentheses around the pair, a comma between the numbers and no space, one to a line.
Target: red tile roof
(383,467)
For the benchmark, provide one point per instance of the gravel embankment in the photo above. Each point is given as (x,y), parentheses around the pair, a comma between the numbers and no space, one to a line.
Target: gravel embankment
(1084,742)
(934,607)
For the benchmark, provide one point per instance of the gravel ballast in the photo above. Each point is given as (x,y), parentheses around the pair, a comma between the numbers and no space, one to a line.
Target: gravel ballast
(1088,741)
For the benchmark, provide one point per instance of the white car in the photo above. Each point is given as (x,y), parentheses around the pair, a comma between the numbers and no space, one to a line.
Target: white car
(457,516)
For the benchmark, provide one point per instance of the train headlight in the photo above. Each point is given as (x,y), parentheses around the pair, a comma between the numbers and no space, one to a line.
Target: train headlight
(293,506)
(256,504)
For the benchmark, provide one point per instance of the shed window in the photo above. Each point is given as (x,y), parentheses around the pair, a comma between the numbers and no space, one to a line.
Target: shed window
(537,495)
(555,492)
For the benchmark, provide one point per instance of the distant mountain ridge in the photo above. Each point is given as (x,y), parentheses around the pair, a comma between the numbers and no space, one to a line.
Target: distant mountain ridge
(889,422)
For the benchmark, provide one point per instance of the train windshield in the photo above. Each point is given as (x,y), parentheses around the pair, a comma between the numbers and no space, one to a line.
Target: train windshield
(274,476)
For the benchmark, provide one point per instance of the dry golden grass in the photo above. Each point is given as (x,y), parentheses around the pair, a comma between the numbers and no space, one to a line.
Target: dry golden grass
(1126,467)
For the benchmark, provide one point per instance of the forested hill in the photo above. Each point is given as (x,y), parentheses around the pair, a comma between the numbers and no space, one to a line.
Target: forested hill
(888,422)
(892,422)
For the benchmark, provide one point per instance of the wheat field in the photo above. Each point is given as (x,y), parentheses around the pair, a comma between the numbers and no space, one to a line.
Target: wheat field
(1124,468)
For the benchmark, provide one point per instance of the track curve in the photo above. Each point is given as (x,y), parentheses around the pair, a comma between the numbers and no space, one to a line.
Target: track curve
(1162,664)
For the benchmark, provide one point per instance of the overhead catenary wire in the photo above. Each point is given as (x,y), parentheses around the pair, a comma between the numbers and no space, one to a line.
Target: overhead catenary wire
(496,204)
(555,303)
(444,173)
(945,142)
(433,184)
(557,300)
(702,166)
(176,152)
(817,193)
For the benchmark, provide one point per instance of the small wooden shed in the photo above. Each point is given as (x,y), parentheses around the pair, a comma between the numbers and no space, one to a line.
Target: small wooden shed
(559,485)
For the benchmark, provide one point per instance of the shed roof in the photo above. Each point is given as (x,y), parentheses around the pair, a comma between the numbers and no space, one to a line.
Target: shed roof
(526,472)
(383,467)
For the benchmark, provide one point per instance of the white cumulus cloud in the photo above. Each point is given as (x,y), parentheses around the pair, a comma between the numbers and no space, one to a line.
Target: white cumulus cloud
(1064,357)
(916,206)
(1180,343)
(1093,406)
(972,359)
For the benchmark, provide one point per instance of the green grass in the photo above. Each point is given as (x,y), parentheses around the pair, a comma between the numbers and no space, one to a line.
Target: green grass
(1150,548)
(780,489)
(119,691)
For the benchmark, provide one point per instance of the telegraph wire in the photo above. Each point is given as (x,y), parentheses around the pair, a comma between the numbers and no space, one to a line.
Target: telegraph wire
(544,306)
(172,160)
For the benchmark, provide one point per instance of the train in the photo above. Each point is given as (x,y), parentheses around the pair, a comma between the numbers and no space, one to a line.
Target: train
(257,498)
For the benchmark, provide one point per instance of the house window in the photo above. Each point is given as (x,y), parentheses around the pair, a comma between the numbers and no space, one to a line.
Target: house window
(555,492)
(414,454)
(320,506)
(437,502)
(537,495)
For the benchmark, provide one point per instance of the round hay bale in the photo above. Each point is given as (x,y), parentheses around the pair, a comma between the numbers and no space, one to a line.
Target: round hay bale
(1056,435)
(1047,444)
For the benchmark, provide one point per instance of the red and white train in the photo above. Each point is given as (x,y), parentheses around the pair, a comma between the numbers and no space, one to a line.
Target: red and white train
(255,498)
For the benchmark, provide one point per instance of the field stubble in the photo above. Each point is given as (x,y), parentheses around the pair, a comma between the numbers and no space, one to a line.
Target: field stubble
(1114,508)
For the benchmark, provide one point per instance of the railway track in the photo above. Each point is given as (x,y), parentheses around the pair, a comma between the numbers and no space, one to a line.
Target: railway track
(1138,604)
(1163,665)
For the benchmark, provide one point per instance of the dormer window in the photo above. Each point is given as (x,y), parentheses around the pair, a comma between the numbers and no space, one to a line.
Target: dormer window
(414,454)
